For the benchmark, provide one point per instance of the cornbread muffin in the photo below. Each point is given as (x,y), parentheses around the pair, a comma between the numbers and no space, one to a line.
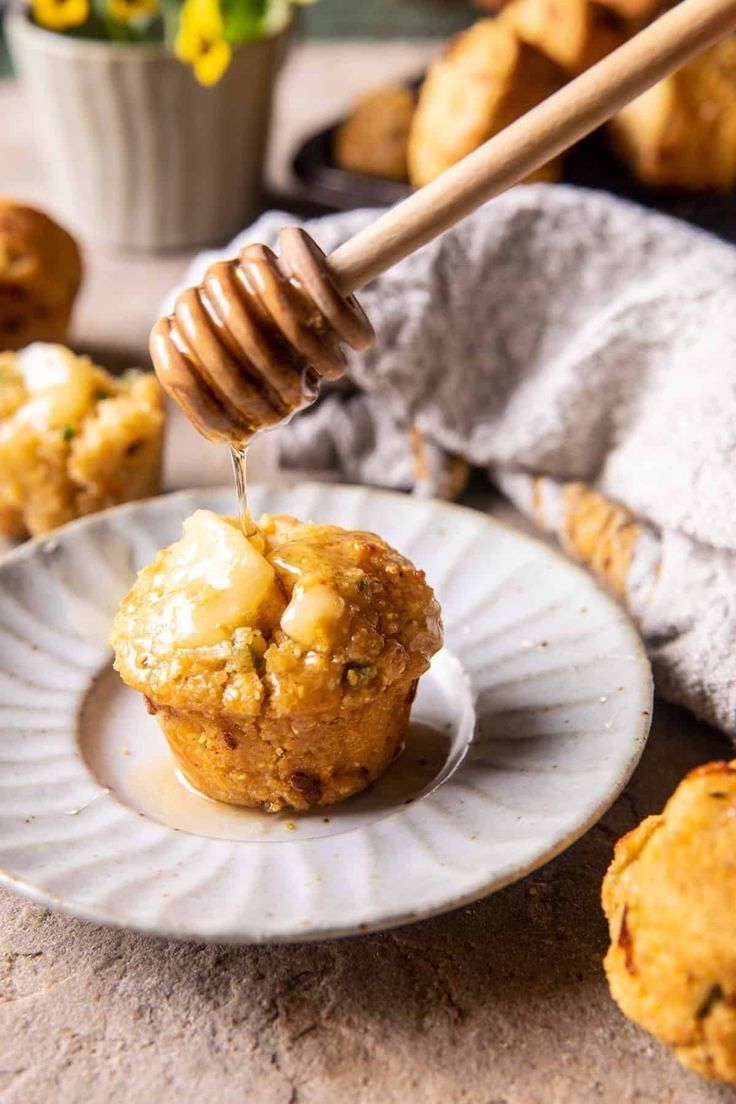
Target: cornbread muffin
(485,79)
(682,132)
(40,274)
(374,137)
(573,33)
(73,439)
(670,899)
(281,668)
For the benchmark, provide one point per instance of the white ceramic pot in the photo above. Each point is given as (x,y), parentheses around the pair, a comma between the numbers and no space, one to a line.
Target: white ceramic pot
(139,155)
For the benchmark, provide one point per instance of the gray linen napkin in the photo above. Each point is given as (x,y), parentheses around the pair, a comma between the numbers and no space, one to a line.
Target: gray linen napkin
(582,350)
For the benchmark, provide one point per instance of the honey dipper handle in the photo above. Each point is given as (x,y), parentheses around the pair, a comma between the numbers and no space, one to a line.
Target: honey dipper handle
(544,132)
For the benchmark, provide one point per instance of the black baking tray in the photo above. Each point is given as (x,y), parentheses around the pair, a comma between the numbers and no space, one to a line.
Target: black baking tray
(590,164)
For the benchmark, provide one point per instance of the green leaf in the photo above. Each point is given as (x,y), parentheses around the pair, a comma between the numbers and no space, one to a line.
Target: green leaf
(171,13)
(712,997)
(94,28)
(243,19)
(98,12)
(356,675)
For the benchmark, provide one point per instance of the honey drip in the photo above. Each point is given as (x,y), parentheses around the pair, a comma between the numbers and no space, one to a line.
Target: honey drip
(239,457)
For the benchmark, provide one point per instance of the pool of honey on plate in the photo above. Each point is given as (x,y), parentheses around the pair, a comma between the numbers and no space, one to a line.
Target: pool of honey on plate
(127,754)
(162,790)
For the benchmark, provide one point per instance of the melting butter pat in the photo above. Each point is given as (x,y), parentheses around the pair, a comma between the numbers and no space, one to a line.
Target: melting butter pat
(313,615)
(215,580)
(59,386)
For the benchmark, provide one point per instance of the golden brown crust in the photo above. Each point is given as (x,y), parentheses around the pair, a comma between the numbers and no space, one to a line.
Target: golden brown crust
(40,275)
(374,137)
(272,763)
(599,532)
(484,79)
(669,896)
(718,766)
(574,34)
(682,132)
(332,706)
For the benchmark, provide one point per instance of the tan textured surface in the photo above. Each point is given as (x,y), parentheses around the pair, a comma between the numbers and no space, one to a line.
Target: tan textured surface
(502,1003)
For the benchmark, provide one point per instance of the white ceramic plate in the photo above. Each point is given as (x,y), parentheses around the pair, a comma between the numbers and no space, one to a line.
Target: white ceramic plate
(524,731)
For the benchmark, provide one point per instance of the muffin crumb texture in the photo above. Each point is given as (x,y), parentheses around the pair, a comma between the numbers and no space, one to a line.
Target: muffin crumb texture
(73,438)
(282,667)
(669,898)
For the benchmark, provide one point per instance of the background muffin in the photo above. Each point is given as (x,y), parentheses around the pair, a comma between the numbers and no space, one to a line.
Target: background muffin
(73,438)
(40,275)
(682,132)
(485,79)
(374,137)
(575,34)
(670,899)
(281,669)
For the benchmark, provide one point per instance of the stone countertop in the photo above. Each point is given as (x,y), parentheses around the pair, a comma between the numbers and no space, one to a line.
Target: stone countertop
(501,1003)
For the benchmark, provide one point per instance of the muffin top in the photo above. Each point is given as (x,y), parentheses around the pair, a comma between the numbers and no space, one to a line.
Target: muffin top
(669,898)
(48,388)
(73,438)
(299,619)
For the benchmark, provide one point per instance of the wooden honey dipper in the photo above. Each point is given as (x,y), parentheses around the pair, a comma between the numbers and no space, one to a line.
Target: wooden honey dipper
(250,345)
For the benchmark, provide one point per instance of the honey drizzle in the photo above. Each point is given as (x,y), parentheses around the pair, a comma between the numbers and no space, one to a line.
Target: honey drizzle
(238,455)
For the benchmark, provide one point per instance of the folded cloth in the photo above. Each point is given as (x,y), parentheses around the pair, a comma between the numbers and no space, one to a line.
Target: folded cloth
(582,350)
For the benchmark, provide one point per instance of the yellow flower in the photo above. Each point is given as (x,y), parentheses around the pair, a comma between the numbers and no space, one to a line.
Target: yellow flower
(57,15)
(126,11)
(200,40)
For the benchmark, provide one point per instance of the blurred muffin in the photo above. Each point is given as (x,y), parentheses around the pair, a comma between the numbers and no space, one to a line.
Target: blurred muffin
(486,78)
(638,12)
(40,274)
(670,899)
(437,472)
(682,132)
(73,439)
(573,33)
(374,137)
(491,6)
(280,668)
